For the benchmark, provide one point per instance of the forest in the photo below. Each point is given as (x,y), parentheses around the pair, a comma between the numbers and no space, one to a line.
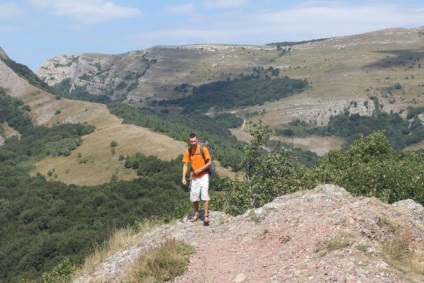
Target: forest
(248,90)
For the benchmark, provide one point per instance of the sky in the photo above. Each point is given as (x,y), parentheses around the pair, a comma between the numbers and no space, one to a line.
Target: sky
(33,31)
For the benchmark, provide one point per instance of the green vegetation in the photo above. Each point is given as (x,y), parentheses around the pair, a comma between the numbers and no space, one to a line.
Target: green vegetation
(246,91)
(14,112)
(413,112)
(78,93)
(270,171)
(400,132)
(60,273)
(352,126)
(289,43)
(337,242)
(49,228)
(24,72)
(44,223)
(370,167)
(39,142)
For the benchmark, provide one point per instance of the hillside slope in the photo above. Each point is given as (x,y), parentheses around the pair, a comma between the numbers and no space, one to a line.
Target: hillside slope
(93,162)
(321,235)
(344,73)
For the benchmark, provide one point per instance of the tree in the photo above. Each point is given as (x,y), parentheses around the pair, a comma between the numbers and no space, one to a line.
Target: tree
(270,171)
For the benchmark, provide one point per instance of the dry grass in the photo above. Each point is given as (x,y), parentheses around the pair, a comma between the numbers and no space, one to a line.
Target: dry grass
(399,252)
(161,264)
(119,240)
(155,265)
(8,131)
(337,242)
(93,162)
(311,143)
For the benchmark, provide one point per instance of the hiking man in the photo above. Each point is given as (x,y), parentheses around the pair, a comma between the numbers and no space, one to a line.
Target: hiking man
(199,184)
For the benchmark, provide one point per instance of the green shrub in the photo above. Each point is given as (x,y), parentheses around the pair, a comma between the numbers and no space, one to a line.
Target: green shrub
(61,273)
(370,167)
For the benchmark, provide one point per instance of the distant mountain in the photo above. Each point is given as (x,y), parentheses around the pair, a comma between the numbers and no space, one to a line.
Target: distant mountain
(344,74)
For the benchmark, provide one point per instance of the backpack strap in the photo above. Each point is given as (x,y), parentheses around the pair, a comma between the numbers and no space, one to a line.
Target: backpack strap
(201,152)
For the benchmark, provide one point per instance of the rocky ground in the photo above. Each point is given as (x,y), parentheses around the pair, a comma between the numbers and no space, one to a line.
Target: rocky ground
(322,235)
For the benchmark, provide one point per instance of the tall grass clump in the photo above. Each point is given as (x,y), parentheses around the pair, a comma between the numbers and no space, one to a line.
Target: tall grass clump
(118,240)
(399,253)
(161,264)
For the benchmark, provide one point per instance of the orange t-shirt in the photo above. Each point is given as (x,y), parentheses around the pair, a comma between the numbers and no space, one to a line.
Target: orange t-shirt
(196,160)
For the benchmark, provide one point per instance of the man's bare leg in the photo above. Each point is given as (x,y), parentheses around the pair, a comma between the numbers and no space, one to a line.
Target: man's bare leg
(196,211)
(206,208)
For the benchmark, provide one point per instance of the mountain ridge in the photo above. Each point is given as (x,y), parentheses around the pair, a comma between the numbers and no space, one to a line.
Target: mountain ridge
(341,70)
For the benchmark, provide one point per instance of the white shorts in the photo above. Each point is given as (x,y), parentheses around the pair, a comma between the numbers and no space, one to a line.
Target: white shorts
(199,188)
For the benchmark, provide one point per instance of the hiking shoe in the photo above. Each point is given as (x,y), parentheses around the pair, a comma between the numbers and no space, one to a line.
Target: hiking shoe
(194,217)
(206,220)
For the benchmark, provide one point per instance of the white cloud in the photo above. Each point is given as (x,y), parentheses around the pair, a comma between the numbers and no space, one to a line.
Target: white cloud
(311,20)
(224,4)
(87,11)
(323,20)
(9,28)
(9,10)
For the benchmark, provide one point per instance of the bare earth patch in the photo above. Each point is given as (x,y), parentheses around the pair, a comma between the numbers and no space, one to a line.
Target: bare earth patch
(319,145)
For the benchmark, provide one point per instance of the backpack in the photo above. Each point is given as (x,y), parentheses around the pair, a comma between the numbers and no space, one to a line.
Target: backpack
(204,143)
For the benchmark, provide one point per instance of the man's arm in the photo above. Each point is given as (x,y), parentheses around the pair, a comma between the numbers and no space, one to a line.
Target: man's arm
(205,167)
(184,180)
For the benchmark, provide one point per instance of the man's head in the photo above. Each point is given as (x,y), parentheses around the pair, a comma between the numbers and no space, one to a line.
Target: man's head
(192,140)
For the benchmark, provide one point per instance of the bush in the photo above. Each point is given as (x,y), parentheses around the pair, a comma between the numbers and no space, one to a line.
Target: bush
(372,168)
(61,273)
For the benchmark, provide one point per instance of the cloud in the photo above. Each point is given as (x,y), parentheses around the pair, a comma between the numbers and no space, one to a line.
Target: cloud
(9,28)
(337,19)
(192,8)
(224,4)
(9,10)
(310,20)
(87,11)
